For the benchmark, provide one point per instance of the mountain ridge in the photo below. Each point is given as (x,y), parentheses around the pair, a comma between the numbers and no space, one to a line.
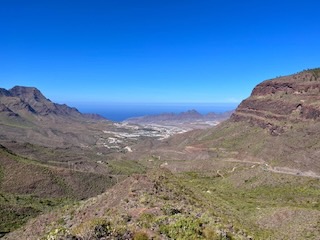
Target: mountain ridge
(279,125)
(30,99)
(190,115)
(278,104)
(26,115)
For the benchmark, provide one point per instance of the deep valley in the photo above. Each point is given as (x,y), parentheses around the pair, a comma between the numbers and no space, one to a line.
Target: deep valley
(250,174)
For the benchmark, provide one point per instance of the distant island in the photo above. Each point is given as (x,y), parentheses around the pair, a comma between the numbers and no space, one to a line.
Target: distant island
(183,117)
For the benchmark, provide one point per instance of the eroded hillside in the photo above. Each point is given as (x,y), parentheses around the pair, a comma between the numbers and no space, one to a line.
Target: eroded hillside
(281,103)
(254,176)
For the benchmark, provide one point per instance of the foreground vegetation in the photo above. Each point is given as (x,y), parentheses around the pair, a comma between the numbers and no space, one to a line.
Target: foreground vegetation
(248,203)
(268,205)
(29,188)
(16,210)
(218,198)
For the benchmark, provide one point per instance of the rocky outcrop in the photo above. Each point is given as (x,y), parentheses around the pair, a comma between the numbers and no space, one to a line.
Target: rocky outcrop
(280,103)
(6,111)
(4,92)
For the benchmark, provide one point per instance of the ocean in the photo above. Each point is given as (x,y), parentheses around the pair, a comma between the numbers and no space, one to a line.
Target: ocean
(120,112)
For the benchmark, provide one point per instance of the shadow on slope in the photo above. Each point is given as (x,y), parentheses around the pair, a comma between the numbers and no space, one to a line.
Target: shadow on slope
(28,188)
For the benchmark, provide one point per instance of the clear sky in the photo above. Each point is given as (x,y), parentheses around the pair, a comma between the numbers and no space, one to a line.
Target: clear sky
(163,51)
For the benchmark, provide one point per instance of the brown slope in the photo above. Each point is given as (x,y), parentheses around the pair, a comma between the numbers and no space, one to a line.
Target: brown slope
(24,176)
(29,100)
(26,115)
(280,103)
(28,188)
(279,124)
(248,204)
(156,205)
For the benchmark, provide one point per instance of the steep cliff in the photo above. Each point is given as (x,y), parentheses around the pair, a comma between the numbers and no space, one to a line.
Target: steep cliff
(280,103)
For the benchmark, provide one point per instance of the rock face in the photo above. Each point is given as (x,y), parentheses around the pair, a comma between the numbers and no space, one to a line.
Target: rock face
(280,103)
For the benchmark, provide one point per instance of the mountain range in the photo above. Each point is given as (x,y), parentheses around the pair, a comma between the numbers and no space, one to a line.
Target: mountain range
(253,176)
(188,116)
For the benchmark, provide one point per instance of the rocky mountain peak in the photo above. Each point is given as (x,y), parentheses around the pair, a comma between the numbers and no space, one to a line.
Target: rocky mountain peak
(191,112)
(4,92)
(29,100)
(28,93)
(279,103)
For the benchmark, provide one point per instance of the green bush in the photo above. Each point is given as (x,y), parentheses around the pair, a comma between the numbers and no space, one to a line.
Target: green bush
(140,236)
(184,228)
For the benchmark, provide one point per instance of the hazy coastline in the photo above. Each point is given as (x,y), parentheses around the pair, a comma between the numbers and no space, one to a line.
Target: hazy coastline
(123,111)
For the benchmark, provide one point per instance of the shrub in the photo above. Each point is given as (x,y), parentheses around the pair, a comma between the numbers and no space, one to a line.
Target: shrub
(183,228)
(140,236)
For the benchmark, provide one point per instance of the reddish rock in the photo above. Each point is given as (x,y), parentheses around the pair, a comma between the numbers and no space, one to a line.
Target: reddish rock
(278,103)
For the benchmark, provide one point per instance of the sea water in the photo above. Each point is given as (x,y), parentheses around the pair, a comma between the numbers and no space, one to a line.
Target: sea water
(123,111)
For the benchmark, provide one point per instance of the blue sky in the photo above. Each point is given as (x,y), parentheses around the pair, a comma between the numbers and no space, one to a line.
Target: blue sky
(152,51)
